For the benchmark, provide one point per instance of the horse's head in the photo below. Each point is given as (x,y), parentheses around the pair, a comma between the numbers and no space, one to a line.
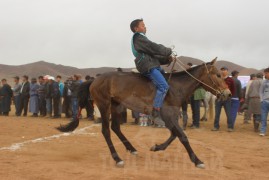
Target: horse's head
(212,82)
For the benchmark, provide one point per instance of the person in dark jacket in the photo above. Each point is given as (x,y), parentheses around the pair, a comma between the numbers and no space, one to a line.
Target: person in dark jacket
(235,100)
(90,105)
(48,97)
(41,96)
(55,94)
(67,95)
(74,87)
(148,58)
(5,96)
(25,95)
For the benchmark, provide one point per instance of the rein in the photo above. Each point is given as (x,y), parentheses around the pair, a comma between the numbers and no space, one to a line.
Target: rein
(181,64)
(174,56)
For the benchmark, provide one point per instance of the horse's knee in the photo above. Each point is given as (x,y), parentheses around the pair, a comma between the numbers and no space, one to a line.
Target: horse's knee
(115,129)
(105,132)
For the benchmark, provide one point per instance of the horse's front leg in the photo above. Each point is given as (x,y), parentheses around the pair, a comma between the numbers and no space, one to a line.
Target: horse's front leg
(167,114)
(170,116)
(163,146)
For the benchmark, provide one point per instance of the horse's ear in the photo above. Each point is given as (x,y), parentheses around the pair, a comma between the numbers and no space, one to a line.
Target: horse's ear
(213,61)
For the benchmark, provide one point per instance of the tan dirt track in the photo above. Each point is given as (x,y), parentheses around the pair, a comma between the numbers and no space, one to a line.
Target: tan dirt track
(84,154)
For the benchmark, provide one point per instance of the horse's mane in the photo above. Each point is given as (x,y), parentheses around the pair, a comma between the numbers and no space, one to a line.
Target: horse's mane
(191,70)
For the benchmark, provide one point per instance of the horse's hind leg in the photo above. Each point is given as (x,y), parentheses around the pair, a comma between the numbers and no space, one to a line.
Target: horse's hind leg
(104,110)
(115,115)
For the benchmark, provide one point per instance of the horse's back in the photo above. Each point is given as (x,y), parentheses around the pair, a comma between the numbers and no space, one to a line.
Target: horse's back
(126,88)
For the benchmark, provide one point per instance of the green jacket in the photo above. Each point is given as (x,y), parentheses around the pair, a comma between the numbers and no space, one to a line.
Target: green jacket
(199,94)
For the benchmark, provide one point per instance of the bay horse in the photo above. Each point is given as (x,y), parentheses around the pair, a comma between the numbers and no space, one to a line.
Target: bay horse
(114,90)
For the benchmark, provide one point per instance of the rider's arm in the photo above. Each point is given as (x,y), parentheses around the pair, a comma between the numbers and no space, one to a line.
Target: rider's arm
(144,45)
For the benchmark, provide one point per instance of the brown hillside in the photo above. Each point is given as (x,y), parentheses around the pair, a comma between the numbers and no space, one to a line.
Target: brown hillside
(42,68)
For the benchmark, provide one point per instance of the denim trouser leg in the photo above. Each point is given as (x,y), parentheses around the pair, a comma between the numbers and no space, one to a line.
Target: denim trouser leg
(227,108)
(235,103)
(74,107)
(264,114)
(218,105)
(49,105)
(159,81)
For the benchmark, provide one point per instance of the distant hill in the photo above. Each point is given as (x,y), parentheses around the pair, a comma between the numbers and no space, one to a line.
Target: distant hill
(43,68)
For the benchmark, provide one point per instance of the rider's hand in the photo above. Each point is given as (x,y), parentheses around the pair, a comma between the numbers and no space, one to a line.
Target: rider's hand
(170,59)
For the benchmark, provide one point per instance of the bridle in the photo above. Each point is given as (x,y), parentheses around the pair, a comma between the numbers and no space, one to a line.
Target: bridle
(181,64)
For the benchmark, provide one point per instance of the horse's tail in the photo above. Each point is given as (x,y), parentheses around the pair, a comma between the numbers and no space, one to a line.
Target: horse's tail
(70,126)
(83,99)
(211,106)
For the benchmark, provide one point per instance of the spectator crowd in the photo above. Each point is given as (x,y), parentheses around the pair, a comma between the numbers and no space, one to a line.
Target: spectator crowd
(46,96)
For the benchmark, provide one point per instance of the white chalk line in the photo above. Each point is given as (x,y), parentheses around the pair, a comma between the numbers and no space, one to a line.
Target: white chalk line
(17,146)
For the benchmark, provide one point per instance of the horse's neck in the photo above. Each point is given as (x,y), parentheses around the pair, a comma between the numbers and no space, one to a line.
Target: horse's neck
(185,83)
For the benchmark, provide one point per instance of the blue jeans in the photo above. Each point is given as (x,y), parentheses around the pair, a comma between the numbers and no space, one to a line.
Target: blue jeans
(227,107)
(235,103)
(17,103)
(159,81)
(49,106)
(264,114)
(74,102)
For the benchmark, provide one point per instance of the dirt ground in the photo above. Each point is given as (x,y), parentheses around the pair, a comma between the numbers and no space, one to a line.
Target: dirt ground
(31,148)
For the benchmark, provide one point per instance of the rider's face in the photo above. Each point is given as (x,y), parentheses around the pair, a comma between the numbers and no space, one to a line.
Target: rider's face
(141,28)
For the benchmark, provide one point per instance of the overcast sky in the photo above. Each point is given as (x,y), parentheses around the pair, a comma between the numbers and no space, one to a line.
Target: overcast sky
(95,33)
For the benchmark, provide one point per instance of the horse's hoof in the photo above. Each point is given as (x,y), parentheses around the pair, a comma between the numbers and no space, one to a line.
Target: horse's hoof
(153,148)
(201,166)
(120,164)
(134,153)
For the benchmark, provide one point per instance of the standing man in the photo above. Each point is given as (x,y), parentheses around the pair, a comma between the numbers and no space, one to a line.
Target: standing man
(74,87)
(224,103)
(235,101)
(89,106)
(24,93)
(16,93)
(247,114)
(199,94)
(5,96)
(48,96)
(264,95)
(61,89)
(41,96)
(67,96)
(253,100)
(33,105)
(55,94)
